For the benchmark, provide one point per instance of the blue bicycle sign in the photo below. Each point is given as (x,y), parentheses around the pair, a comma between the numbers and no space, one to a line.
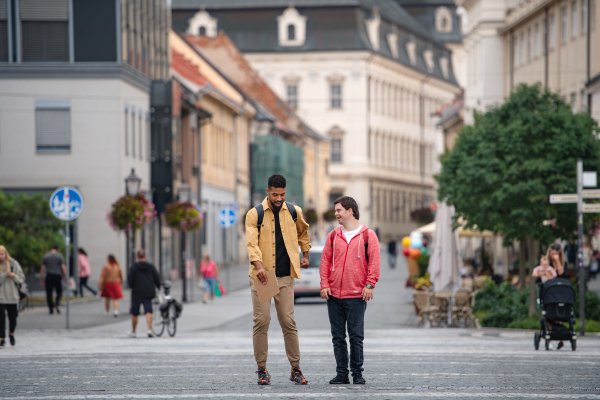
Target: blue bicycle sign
(66,203)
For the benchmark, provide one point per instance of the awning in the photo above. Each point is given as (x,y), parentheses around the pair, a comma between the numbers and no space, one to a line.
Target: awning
(462,232)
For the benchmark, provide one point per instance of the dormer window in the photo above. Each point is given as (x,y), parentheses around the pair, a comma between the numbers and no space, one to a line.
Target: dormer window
(444,63)
(292,28)
(411,50)
(392,39)
(203,24)
(428,56)
(373,25)
(443,20)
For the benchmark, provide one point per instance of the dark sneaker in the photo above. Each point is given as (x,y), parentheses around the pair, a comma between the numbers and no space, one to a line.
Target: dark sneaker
(560,345)
(297,377)
(340,380)
(357,379)
(1,343)
(264,378)
(57,309)
(11,338)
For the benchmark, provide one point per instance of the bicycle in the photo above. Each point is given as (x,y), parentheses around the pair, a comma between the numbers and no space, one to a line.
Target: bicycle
(165,312)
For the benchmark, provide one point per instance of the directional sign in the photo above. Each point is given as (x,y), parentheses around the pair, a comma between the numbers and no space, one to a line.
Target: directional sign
(591,194)
(591,208)
(227,216)
(66,203)
(563,198)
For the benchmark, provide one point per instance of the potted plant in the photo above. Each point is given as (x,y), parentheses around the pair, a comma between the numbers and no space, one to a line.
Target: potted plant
(183,217)
(329,215)
(311,216)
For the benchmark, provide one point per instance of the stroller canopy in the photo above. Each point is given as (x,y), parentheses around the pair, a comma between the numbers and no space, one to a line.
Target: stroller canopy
(558,290)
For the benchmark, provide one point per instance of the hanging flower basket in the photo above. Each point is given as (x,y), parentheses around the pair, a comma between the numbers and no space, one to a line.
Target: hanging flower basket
(131,213)
(183,217)
(329,215)
(311,216)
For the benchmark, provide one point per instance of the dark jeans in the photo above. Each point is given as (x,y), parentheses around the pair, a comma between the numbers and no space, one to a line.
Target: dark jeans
(13,312)
(53,282)
(350,312)
(83,284)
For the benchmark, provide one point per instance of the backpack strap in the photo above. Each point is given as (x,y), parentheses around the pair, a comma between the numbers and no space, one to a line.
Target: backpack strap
(292,211)
(366,240)
(261,215)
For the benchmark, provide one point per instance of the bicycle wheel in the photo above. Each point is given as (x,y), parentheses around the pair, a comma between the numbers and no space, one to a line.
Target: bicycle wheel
(172,324)
(158,323)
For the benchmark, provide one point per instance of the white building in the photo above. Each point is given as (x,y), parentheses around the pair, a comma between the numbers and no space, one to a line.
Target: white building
(76,110)
(364,72)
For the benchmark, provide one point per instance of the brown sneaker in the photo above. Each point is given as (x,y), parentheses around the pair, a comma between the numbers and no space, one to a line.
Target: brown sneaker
(264,378)
(297,377)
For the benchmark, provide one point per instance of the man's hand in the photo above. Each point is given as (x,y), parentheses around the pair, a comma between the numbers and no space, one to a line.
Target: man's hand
(261,274)
(304,263)
(367,294)
(325,293)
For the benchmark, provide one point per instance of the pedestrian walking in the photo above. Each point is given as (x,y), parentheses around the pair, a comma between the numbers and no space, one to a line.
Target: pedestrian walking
(143,279)
(110,285)
(52,274)
(588,258)
(392,252)
(84,272)
(349,269)
(274,231)
(210,273)
(11,275)
(571,251)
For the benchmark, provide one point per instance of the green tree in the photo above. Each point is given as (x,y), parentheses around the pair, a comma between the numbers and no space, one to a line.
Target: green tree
(502,170)
(27,228)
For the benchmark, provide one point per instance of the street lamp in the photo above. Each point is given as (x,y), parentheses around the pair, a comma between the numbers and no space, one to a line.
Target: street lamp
(132,188)
(184,193)
(132,184)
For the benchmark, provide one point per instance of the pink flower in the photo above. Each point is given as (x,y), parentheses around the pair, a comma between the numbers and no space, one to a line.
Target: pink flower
(590,233)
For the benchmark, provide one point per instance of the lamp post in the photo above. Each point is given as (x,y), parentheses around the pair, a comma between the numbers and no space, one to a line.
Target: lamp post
(184,193)
(132,188)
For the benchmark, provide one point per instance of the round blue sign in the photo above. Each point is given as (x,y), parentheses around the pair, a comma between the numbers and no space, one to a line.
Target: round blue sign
(66,203)
(227,216)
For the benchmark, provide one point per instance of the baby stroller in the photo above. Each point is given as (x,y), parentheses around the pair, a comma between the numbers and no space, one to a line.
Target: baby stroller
(555,301)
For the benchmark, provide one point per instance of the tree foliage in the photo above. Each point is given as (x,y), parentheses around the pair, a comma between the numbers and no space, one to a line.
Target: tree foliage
(27,228)
(502,170)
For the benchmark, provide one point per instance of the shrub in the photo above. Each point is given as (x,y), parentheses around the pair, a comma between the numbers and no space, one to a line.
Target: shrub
(423,263)
(131,213)
(311,216)
(502,304)
(183,216)
(329,215)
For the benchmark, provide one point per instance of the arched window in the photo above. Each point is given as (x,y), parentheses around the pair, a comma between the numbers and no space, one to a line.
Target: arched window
(202,31)
(291,32)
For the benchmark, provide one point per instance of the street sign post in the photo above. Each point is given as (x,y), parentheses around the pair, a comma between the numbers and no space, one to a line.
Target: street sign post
(563,198)
(591,208)
(66,204)
(227,218)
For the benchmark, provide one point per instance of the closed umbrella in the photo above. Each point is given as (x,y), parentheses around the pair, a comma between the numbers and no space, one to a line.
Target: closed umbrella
(445,260)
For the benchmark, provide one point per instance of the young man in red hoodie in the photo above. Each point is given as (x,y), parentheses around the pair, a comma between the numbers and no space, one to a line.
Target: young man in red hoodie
(349,271)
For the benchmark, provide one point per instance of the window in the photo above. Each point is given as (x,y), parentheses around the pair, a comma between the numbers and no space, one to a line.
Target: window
(202,31)
(133,132)
(574,103)
(523,49)
(126,132)
(552,34)
(336,96)
(291,32)
(141,128)
(564,24)
(574,18)
(593,15)
(291,28)
(529,45)
(53,126)
(336,151)
(292,96)
(584,15)
(538,40)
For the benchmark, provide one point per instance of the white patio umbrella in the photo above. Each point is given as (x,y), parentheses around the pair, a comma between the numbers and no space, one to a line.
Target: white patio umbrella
(445,260)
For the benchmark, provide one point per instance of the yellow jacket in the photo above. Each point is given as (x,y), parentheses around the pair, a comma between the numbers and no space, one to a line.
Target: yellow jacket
(263,248)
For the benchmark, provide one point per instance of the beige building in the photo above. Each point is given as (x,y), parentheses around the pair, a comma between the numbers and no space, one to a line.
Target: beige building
(555,42)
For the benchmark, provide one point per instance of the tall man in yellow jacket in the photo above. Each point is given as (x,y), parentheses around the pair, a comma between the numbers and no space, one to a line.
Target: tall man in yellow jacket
(274,246)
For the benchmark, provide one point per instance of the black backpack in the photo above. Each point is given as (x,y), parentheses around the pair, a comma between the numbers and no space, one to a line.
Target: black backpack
(261,214)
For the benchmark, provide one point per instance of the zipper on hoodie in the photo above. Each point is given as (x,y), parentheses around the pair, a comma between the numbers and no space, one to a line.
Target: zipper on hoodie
(344,266)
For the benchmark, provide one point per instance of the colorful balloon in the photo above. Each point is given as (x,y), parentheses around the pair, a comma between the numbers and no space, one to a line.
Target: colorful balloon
(425,243)
(414,253)
(406,242)
(424,251)
(416,243)
(406,251)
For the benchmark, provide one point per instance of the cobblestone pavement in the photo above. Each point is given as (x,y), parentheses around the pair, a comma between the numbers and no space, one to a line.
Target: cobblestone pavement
(399,363)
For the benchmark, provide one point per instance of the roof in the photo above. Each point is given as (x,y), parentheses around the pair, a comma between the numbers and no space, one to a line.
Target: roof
(424,12)
(451,110)
(222,51)
(252,26)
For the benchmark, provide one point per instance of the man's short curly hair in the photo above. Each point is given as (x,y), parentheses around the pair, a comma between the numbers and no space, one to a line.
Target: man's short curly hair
(348,203)
(277,181)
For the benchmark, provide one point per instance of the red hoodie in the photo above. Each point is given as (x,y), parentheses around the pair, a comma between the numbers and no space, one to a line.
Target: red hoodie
(347,272)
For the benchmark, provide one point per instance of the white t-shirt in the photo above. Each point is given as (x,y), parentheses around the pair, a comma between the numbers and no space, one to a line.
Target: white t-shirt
(348,235)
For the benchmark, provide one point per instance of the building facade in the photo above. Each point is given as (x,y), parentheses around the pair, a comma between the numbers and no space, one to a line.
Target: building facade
(75,81)
(366,73)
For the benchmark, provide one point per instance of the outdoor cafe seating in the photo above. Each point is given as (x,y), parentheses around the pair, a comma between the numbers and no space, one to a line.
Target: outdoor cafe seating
(445,307)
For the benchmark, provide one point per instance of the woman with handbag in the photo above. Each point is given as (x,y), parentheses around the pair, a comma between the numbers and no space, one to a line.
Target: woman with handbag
(11,275)
(110,284)
(84,272)
(210,273)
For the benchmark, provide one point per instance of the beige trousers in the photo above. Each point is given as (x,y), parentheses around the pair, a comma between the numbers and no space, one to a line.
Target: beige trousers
(284,304)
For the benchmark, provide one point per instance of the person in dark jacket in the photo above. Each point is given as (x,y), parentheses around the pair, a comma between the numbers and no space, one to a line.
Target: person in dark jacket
(142,279)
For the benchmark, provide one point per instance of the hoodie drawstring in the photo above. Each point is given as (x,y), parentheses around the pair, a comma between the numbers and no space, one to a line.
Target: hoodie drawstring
(360,237)
(333,256)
